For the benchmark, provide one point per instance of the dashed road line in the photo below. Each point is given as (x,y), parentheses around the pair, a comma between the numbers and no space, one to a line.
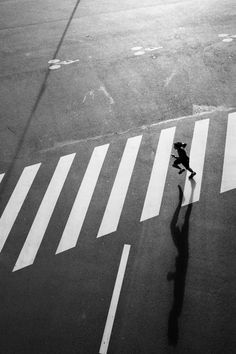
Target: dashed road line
(114,300)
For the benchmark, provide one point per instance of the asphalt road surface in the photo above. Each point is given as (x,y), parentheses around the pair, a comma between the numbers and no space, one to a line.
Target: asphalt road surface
(105,248)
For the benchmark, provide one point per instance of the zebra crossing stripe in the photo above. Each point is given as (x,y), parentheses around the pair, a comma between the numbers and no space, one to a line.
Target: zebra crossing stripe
(116,200)
(16,201)
(157,180)
(82,201)
(197,158)
(228,181)
(1,176)
(38,228)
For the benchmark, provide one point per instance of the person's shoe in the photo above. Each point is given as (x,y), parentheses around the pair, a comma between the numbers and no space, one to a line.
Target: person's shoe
(181,171)
(192,175)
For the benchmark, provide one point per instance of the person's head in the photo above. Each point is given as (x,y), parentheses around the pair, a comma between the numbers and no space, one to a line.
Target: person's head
(179,145)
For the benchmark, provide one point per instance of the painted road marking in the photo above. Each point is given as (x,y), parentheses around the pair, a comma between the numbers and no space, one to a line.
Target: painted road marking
(197,158)
(114,300)
(156,185)
(1,176)
(82,201)
(153,198)
(16,201)
(118,193)
(39,226)
(228,181)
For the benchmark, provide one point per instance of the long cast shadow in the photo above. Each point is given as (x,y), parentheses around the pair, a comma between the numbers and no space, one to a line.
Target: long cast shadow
(35,106)
(180,238)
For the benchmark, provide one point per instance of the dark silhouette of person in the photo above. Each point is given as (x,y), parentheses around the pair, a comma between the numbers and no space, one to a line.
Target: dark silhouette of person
(180,239)
(182,159)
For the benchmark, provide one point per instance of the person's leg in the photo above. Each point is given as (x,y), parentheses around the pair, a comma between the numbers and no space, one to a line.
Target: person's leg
(176,165)
(186,165)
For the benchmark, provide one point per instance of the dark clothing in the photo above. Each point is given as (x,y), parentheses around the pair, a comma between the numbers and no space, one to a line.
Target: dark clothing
(182,159)
(182,154)
(184,162)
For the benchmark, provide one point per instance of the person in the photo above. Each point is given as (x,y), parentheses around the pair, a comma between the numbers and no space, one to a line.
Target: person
(182,159)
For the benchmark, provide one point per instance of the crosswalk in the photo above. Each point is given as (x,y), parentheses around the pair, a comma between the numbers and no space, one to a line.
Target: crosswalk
(197,154)
(85,190)
(75,221)
(152,203)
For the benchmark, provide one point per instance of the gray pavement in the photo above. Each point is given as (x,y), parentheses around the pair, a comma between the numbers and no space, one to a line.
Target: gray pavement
(141,65)
(110,89)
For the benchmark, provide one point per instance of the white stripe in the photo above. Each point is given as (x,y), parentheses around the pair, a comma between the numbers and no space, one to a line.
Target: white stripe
(1,176)
(114,300)
(197,158)
(156,185)
(228,181)
(82,201)
(38,228)
(16,200)
(117,197)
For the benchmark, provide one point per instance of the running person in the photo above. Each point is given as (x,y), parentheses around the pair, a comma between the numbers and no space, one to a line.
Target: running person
(182,159)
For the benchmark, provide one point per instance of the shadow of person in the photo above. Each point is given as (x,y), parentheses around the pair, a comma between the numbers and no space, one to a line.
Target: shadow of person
(180,239)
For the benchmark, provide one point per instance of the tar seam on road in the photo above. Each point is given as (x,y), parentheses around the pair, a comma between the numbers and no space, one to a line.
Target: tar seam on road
(40,95)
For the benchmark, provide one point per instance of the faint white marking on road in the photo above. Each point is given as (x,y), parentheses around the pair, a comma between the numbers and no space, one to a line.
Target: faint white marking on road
(39,226)
(54,61)
(54,67)
(90,93)
(228,181)
(140,52)
(120,187)
(1,176)
(227,37)
(168,80)
(151,49)
(16,201)
(103,89)
(68,62)
(222,35)
(136,48)
(82,201)
(57,63)
(156,185)
(227,40)
(203,108)
(114,300)
(197,158)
